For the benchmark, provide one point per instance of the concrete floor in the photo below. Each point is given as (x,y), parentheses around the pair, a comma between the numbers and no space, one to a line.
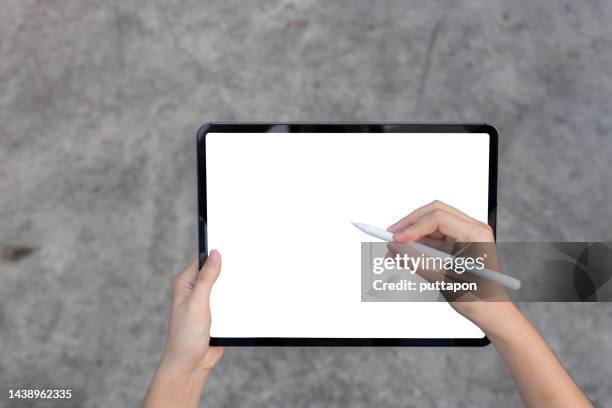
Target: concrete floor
(99,103)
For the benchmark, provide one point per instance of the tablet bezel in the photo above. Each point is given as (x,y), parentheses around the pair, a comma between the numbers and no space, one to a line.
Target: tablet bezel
(291,127)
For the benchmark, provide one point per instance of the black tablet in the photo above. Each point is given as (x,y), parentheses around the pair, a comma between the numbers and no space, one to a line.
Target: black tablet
(277,200)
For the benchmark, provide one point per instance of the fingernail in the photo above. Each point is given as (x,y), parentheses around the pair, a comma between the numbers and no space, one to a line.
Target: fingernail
(213,257)
(391,228)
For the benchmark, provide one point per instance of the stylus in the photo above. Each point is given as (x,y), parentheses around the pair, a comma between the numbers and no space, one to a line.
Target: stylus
(494,276)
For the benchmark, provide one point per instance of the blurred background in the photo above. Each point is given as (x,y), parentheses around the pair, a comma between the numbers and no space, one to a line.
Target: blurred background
(99,105)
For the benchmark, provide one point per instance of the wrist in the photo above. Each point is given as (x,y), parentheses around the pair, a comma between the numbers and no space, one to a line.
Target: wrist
(493,318)
(179,368)
(175,384)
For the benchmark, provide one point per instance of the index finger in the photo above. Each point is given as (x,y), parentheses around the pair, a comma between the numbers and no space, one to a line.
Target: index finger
(424,210)
(438,220)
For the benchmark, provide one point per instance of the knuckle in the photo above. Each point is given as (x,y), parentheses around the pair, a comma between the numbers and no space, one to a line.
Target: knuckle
(204,277)
(435,204)
(437,214)
(484,233)
(486,228)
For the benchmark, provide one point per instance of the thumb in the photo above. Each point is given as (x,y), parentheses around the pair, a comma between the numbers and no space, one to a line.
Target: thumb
(207,277)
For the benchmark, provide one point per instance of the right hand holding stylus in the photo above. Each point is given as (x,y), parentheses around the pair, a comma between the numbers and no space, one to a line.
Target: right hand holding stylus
(539,376)
(440,226)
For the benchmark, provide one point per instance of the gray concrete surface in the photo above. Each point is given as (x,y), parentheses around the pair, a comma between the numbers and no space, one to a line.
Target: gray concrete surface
(99,102)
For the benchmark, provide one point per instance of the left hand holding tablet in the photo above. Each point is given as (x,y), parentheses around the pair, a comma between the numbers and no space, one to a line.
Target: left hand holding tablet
(187,358)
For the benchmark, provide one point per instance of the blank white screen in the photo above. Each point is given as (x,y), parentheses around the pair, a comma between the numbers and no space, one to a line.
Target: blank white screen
(279,209)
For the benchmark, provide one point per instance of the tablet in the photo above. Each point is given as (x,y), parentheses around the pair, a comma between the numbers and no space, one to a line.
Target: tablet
(277,200)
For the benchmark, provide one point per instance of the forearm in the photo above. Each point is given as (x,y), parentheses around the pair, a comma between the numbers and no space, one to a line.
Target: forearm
(175,387)
(540,377)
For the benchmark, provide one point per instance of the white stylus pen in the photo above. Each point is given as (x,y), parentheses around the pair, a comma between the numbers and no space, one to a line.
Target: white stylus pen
(497,277)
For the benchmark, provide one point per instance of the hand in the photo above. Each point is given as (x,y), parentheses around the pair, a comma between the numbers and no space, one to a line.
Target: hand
(189,335)
(187,358)
(540,378)
(440,226)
